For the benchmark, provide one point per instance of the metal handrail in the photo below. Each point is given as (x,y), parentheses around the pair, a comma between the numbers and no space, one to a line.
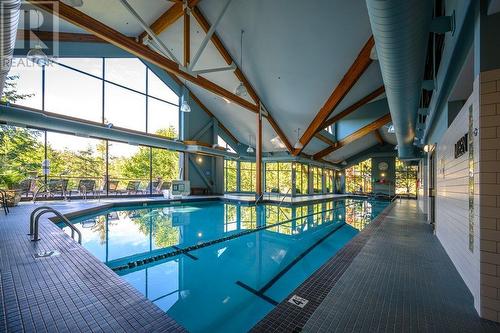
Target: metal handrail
(281,202)
(35,217)
(260,197)
(3,194)
(395,197)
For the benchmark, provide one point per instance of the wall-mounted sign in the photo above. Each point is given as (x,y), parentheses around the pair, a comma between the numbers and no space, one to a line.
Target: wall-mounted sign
(461,147)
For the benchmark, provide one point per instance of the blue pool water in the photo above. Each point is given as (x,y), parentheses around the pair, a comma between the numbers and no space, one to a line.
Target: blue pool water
(209,289)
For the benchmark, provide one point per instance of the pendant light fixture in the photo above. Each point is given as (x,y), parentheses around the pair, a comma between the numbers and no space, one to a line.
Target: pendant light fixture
(250,149)
(241,90)
(298,144)
(185,101)
(36,54)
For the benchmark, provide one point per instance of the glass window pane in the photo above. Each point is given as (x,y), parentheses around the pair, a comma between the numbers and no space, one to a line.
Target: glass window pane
(124,108)
(27,78)
(163,118)
(157,88)
(21,155)
(165,168)
(285,176)
(230,176)
(247,175)
(222,143)
(73,160)
(88,65)
(302,178)
(128,168)
(128,72)
(73,94)
(272,177)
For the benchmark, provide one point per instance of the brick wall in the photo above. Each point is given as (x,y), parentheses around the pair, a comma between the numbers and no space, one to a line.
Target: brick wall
(452,198)
(490,194)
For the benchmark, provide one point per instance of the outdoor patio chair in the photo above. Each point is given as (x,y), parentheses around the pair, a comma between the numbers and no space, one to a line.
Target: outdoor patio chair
(86,186)
(111,186)
(57,186)
(27,186)
(133,187)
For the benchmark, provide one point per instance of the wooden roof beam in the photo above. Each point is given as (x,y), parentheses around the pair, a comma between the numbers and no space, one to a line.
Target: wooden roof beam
(365,130)
(379,137)
(203,22)
(116,38)
(377,92)
(169,17)
(350,78)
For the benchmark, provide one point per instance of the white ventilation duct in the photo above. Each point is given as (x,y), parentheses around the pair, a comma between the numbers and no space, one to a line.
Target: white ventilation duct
(9,19)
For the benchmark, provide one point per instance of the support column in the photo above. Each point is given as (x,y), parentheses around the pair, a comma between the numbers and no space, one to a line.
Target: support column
(258,156)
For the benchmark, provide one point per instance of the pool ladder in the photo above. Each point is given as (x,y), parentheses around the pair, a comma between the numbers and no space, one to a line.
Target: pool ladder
(35,217)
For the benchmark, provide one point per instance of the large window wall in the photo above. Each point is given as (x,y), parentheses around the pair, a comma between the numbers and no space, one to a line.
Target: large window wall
(247,176)
(301,179)
(230,176)
(406,178)
(317,177)
(279,177)
(359,177)
(329,181)
(118,91)
(80,166)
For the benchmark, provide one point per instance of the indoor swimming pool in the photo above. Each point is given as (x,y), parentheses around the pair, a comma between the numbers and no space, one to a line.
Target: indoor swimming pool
(220,266)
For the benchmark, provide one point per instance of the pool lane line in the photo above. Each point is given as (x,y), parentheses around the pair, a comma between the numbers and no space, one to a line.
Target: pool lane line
(216,241)
(257,293)
(298,258)
(185,253)
(295,261)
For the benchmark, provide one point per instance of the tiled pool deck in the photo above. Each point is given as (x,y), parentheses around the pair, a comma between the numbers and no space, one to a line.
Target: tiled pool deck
(394,276)
(71,292)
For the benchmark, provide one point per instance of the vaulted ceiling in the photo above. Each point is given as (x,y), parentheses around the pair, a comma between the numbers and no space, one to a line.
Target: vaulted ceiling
(295,53)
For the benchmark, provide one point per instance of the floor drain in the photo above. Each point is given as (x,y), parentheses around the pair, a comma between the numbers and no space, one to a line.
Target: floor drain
(46,254)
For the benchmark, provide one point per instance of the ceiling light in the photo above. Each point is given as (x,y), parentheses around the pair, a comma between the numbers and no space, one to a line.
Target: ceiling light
(241,90)
(427,148)
(184,101)
(185,107)
(250,149)
(391,129)
(37,56)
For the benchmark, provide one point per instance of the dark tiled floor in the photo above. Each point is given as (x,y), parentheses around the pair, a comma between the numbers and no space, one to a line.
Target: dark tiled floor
(393,277)
(71,292)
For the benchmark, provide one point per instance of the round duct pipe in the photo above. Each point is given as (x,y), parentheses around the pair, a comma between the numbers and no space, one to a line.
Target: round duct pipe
(401,32)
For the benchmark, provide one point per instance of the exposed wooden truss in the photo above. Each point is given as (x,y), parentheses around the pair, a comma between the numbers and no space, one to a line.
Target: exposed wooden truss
(373,126)
(377,92)
(203,22)
(357,69)
(379,137)
(114,37)
(49,36)
(325,139)
(168,18)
